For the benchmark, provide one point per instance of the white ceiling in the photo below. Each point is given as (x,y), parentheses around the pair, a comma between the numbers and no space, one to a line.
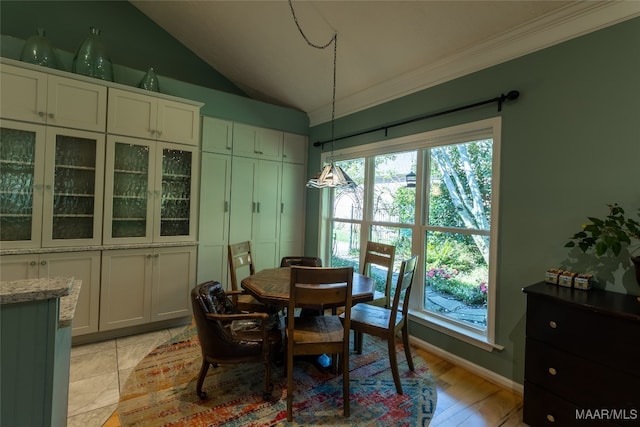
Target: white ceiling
(386,49)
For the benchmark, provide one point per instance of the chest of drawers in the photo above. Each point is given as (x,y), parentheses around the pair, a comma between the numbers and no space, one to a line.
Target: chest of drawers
(582,358)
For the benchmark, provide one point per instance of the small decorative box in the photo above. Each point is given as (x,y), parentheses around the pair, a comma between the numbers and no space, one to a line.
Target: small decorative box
(583,281)
(566,279)
(551,276)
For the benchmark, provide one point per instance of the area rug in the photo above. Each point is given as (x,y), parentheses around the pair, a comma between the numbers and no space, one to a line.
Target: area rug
(161,391)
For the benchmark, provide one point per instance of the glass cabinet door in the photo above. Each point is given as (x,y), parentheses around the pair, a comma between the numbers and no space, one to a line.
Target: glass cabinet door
(128,191)
(74,174)
(176,182)
(21,184)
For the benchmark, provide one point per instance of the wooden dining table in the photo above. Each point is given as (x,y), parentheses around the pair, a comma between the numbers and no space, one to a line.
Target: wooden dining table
(271,286)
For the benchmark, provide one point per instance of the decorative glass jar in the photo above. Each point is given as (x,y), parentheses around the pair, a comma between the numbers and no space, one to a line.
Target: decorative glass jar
(37,50)
(92,58)
(150,81)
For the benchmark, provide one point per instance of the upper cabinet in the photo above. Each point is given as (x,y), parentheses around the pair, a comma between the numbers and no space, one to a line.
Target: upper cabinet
(145,116)
(217,136)
(257,143)
(294,148)
(150,191)
(33,96)
(51,182)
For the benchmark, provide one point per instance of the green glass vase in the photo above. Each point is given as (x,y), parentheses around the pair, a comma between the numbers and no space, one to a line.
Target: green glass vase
(150,81)
(92,58)
(37,50)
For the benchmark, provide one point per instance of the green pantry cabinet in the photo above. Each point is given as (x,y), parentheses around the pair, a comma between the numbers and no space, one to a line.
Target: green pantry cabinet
(99,181)
(252,188)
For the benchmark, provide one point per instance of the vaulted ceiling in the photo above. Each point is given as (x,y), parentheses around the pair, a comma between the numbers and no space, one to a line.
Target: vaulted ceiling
(385,49)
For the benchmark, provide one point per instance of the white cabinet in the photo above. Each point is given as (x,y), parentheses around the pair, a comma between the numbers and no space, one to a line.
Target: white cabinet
(145,116)
(257,143)
(255,208)
(51,196)
(33,96)
(213,230)
(292,208)
(144,285)
(294,148)
(217,136)
(150,191)
(84,266)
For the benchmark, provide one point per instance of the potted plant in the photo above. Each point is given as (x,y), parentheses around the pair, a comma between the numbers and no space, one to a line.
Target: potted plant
(610,234)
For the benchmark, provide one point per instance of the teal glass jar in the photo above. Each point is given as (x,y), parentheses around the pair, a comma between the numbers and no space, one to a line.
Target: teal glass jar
(92,58)
(37,50)
(150,81)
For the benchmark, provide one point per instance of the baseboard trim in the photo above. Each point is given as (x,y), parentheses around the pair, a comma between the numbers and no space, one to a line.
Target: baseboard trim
(470,366)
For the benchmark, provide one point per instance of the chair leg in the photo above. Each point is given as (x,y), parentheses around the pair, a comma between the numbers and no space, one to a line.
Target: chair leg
(346,395)
(407,347)
(203,373)
(393,361)
(358,341)
(289,387)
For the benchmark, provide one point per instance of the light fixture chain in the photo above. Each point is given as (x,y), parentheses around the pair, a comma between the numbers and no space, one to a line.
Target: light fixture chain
(333,40)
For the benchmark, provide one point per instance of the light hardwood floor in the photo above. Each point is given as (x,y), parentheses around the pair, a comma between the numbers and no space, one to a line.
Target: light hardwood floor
(465,399)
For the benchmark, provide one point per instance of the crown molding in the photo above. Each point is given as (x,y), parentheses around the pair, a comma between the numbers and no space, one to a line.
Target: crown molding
(572,21)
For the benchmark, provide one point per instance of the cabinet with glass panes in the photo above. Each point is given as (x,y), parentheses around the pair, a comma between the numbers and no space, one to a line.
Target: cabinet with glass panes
(51,182)
(149,191)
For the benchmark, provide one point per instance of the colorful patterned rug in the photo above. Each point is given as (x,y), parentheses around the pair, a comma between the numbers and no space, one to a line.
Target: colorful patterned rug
(162,391)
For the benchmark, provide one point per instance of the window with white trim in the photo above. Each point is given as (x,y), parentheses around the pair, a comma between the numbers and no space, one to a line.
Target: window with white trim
(448,217)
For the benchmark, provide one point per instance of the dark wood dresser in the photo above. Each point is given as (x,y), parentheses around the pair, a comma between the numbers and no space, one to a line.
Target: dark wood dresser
(582,358)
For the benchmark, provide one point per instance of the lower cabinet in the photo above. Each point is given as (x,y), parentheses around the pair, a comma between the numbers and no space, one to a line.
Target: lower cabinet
(580,366)
(145,285)
(83,266)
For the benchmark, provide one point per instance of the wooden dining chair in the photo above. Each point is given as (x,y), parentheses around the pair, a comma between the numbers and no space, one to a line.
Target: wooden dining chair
(306,261)
(314,335)
(381,255)
(387,322)
(241,257)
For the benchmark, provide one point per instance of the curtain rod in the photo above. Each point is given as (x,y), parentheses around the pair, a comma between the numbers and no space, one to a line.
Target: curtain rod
(512,95)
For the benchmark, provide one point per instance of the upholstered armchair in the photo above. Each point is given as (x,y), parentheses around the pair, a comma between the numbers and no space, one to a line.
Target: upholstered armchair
(228,336)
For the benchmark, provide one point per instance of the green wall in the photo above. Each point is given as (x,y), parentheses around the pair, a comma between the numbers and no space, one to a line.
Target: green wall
(570,145)
(136,43)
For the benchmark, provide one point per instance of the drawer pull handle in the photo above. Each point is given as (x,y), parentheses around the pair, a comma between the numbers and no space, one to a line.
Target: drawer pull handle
(551,418)
(553,324)
(552,371)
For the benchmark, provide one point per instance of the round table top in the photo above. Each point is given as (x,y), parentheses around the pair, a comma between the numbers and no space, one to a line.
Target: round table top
(271,286)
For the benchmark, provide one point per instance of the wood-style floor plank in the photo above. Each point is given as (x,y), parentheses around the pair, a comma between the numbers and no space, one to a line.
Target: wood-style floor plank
(466,399)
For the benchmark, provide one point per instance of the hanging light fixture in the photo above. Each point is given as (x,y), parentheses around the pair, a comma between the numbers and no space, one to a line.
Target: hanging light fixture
(331,175)
(410,179)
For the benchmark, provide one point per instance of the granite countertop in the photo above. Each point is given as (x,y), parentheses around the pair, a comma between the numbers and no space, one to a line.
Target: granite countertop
(65,288)
(29,251)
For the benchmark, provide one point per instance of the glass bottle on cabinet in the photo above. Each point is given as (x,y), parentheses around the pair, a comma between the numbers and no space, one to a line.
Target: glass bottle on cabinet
(21,184)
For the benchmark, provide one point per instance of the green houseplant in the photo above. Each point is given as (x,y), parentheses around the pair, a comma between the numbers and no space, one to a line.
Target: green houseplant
(611,233)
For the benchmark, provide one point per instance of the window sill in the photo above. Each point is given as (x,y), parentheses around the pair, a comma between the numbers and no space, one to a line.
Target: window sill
(455,331)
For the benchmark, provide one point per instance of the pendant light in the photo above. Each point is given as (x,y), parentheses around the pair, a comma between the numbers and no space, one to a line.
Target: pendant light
(331,175)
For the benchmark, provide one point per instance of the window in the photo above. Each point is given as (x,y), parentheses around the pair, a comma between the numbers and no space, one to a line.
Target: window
(447,217)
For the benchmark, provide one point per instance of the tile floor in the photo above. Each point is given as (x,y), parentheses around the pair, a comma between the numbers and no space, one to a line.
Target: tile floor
(99,371)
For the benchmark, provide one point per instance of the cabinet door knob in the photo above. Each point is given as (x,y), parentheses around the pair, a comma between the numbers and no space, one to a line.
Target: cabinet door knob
(156,256)
(159,132)
(41,113)
(553,324)
(50,115)
(149,256)
(551,418)
(552,371)
(43,262)
(32,263)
